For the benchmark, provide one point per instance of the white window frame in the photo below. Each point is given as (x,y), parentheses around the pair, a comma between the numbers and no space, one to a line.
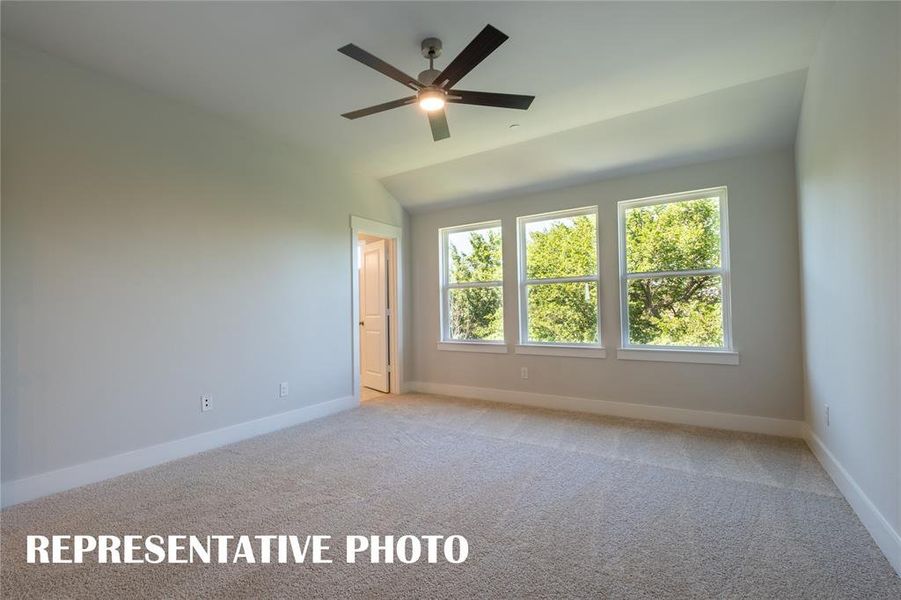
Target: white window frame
(527,346)
(445,340)
(702,354)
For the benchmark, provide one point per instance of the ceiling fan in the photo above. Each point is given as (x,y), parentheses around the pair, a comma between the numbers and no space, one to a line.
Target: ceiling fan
(434,89)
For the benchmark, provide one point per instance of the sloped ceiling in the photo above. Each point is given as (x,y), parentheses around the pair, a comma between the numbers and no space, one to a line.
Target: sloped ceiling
(614,81)
(741,119)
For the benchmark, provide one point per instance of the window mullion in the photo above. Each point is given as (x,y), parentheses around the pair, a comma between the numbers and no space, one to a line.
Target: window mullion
(581,279)
(473,284)
(686,273)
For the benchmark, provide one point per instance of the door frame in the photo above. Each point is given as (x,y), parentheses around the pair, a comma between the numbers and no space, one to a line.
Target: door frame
(393,236)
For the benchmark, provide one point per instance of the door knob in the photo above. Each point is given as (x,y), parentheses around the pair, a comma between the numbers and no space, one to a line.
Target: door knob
(361,323)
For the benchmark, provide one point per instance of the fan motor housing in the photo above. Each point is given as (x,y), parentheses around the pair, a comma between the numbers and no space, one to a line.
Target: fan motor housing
(428,76)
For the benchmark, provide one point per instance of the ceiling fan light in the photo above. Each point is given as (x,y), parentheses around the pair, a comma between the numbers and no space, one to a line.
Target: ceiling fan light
(431,100)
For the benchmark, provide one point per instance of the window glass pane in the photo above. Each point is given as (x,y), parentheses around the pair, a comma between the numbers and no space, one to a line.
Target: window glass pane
(675,236)
(476,313)
(676,311)
(474,255)
(564,313)
(564,247)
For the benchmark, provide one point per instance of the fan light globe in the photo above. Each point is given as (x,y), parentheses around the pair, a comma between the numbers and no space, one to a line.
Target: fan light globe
(431,100)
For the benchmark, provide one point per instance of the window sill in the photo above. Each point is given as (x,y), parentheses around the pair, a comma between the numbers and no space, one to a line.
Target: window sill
(561,350)
(710,357)
(488,347)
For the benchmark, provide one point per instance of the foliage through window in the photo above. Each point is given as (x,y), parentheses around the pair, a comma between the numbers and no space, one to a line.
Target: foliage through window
(674,271)
(472,283)
(559,278)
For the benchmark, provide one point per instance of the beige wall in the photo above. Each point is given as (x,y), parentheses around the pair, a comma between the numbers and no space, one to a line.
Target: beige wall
(849,198)
(765,302)
(152,253)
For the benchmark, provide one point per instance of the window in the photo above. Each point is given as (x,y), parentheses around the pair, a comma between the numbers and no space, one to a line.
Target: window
(558,278)
(472,297)
(674,271)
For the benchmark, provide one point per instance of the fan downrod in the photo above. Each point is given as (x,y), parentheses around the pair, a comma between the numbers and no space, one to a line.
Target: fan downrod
(431,49)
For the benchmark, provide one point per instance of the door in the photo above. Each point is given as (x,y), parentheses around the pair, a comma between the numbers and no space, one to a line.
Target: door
(374,319)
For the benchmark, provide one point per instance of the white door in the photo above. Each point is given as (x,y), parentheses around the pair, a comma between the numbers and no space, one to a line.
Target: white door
(373,315)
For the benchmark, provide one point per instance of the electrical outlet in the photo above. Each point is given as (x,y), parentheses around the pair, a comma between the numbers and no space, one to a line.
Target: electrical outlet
(283,390)
(524,372)
(827,416)
(206,403)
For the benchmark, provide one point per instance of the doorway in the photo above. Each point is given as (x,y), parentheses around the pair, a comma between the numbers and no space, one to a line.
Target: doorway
(376,308)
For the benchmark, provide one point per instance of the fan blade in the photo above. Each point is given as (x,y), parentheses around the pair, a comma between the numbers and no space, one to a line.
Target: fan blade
(478,49)
(363,112)
(490,99)
(438,121)
(357,53)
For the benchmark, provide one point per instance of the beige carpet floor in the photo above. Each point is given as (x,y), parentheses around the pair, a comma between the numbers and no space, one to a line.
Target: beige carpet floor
(370,394)
(554,505)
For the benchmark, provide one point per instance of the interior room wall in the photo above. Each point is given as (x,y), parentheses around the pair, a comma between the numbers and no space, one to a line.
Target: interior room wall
(849,196)
(765,297)
(153,252)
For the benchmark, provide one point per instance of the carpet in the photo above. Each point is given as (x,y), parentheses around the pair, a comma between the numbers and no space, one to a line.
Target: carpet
(553,504)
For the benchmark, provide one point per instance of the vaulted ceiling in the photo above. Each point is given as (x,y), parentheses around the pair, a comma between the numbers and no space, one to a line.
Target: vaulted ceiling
(618,85)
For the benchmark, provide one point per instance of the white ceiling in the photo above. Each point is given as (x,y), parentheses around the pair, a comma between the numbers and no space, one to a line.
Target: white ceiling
(274,66)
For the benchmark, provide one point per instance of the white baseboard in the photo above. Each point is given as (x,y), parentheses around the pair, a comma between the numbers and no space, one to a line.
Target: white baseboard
(682,416)
(888,540)
(51,482)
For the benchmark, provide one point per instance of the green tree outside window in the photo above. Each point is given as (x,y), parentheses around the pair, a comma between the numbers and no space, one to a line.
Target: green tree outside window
(668,307)
(675,310)
(562,312)
(475,313)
